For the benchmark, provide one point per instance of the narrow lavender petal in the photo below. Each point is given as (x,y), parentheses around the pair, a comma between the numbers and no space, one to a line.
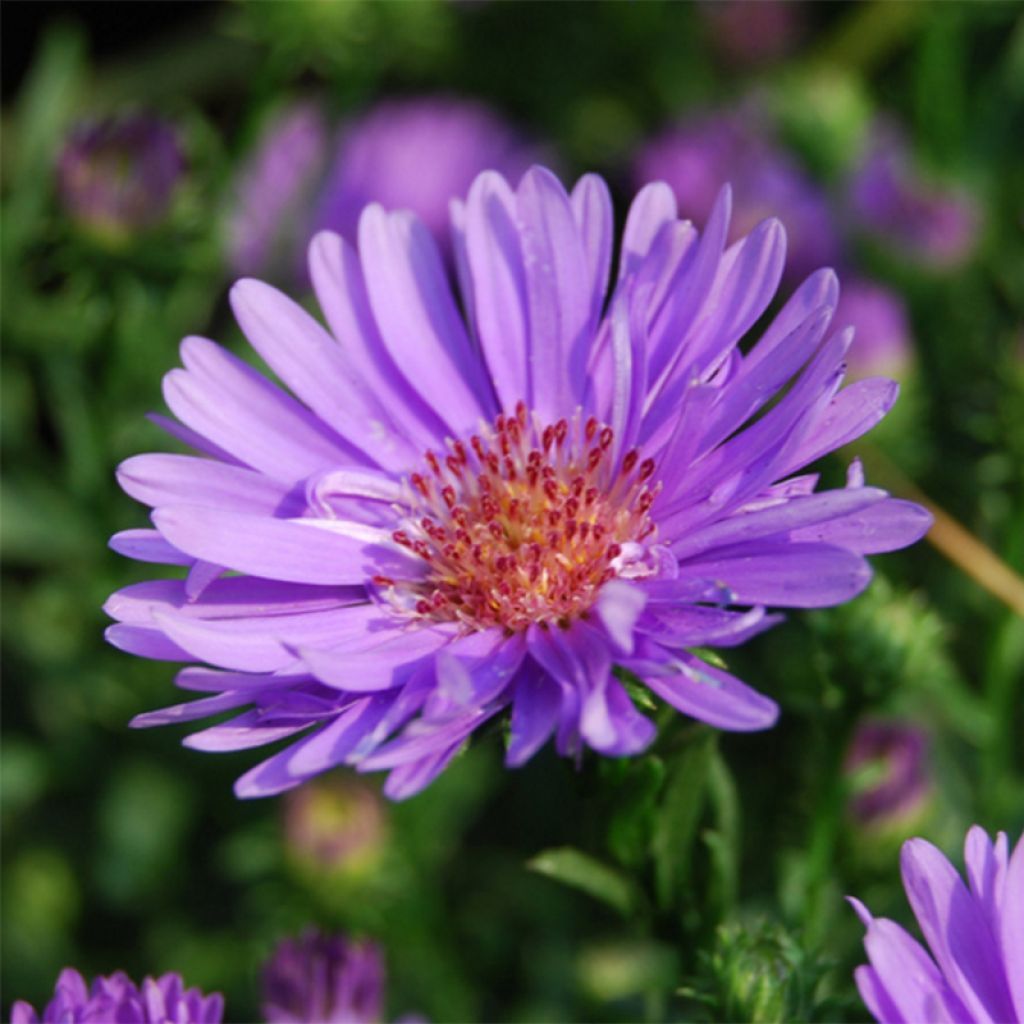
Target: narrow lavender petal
(270,777)
(309,362)
(853,412)
(23,1013)
(290,550)
(697,626)
(192,439)
(793,515)
(744,285)
(378,667)
(145,641)
(148,546)
(424,739)
(653,208)
(472,671)
(499,286)
(702,691)
(535,711)
(819,291)
(337,740)
(555,269)
(956,930)
(888,526)
(243,732)
(788,575)
(592,209)
(418,321)
(193,710)
(618,606)
(876,997)
(238,409)
(228,598)
(1011,931)
(409,779)
(159,479)
(340,286)
(907,974)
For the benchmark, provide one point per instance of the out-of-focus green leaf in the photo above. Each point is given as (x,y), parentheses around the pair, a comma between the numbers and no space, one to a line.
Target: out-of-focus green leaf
(678,815)
(581,871)
(619,970)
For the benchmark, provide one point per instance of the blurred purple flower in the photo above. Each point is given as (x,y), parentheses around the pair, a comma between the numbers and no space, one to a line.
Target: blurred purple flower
(416,154)
(882,345)
(274,189)
(118,175)
(454,517)
(975,934)
(695,157)
(935,225)
(162,1000)
(752,32)
(335,825)
(900,751)
(324,979)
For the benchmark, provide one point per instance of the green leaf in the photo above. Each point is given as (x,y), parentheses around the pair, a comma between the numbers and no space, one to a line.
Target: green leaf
(676,820)
(579,870)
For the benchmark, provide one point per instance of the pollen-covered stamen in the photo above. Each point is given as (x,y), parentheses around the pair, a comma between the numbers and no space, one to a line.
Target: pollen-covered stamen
(524,523)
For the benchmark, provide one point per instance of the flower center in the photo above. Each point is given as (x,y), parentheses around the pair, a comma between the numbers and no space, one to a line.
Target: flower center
(524,524)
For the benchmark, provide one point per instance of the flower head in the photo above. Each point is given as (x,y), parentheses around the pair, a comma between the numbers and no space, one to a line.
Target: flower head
(163,1000)
(883,345)
(416,154)
(899,751)
(975,933)
(274,189)
(935,225)
(327,979)
(695,157)
(118,175)
(519,510)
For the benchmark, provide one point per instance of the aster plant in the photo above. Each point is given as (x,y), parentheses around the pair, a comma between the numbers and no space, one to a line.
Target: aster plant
(163,1000)
(975,933)
(323,978)
(523,510)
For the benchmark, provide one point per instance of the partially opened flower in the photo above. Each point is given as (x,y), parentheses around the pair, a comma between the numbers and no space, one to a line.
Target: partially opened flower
(416,154)
(269,215)
(518,510)
(697,155)
(163,1000)
(933,224)
(887,763)
(324,978)
(118,175)
(975,933)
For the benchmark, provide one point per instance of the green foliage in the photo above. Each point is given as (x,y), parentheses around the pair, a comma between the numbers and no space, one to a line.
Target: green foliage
(700,881)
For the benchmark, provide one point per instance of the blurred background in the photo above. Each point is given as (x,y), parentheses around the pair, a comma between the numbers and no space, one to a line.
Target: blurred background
(153,153)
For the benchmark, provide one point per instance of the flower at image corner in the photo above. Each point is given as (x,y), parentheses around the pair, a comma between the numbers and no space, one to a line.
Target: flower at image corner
(118,998)
(513,513)
(324,978)
(975,934)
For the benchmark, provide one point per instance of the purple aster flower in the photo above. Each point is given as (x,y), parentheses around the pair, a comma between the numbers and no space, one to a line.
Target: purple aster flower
(327,979)
(416,155)
(882,346)
(935,225)
(274,189)
(518,509)
(899,752)
(163,1000)
(975,933)
(118,175)
(695,157)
